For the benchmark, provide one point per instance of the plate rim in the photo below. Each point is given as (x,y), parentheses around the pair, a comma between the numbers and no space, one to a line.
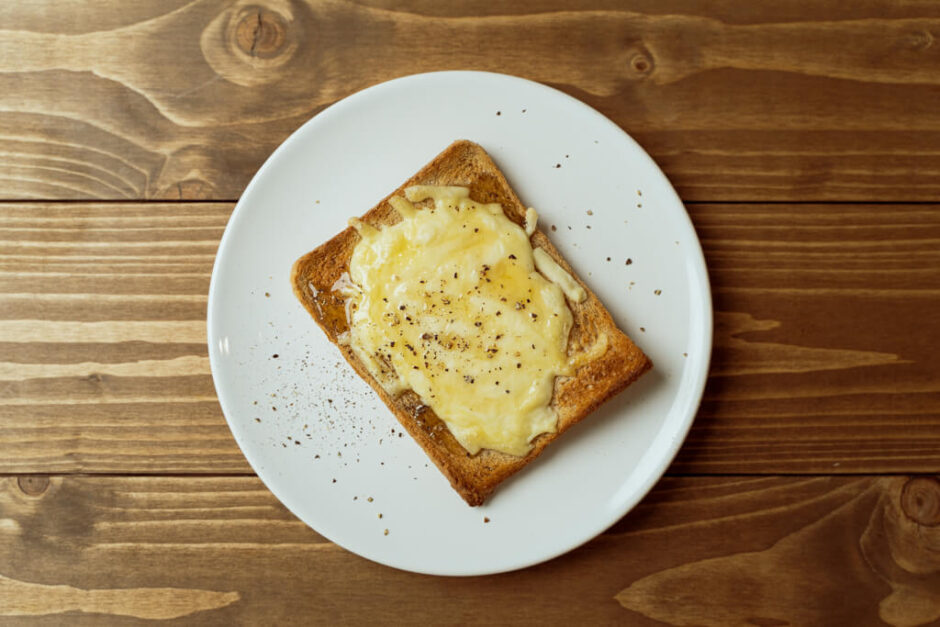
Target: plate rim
(700,274)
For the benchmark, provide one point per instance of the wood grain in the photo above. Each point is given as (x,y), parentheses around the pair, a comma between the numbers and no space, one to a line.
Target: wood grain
(764,551)
(103,362)
(827,321)
(184,100)
(825,334)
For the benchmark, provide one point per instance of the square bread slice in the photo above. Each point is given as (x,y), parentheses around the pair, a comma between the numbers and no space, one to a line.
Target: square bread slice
(474,477)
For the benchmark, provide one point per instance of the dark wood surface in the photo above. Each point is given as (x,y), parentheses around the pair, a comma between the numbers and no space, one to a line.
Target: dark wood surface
(735,100)
(697,551)
(804,138)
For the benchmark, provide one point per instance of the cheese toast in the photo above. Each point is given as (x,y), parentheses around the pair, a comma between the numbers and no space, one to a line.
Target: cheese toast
(315,275)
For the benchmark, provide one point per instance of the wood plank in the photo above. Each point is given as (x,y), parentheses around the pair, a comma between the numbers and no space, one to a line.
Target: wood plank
(704,551)
(184,100)
(827,319)
(826,323)
(103,359)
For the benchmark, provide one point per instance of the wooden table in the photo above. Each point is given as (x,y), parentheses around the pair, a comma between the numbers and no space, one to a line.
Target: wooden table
(805,142)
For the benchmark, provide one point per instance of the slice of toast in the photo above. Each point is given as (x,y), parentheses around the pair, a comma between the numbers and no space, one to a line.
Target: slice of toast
(474,477)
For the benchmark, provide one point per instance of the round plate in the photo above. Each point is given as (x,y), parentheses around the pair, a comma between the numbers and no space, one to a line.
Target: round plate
(320,438)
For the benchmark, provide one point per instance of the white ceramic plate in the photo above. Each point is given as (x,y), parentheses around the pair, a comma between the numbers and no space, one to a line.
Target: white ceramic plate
(319,437)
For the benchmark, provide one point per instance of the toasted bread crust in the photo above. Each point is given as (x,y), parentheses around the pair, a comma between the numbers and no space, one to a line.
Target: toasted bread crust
(474,477)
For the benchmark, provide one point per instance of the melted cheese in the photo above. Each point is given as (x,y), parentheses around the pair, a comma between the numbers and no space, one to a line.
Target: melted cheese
(555,273)
(448,303)
(531,221)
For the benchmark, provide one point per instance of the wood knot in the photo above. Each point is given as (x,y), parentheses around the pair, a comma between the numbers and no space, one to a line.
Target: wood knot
(32,485)
(920,501)
(190,189)
(262,34)
(253,45)
(641,63)
(918,40)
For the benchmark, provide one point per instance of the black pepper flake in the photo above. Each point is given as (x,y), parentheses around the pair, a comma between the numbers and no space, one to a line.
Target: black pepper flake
(499,113)
(608,259)
(478,324)
(274,356)
(485,519)
(554,228)
(557,165)
(476,230)
(512,256)
(657,292)
(401,308)
(392,344)
(455,275)
(499,313)
(468,378)
(629,261)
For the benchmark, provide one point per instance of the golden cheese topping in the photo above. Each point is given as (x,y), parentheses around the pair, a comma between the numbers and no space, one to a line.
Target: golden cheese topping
(448,302)
(550,268)
(531,221)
